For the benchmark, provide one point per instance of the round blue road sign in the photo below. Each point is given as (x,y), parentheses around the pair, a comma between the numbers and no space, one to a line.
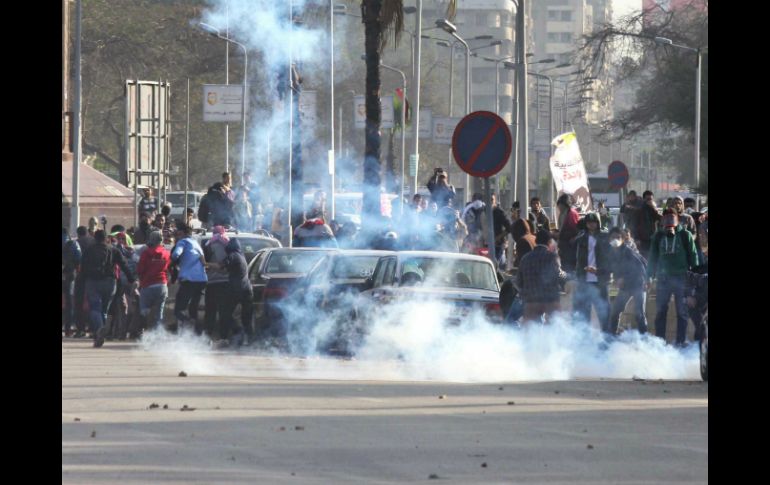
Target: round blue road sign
(481,144)
(617,173)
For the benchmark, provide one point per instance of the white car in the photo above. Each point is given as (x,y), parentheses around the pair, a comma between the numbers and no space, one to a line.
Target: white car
(176,199)
(468,282)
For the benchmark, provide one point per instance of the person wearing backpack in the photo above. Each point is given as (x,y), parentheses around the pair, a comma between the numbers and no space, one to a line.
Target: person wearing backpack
(70,260)
(672,255)
(629,269)
(98,268)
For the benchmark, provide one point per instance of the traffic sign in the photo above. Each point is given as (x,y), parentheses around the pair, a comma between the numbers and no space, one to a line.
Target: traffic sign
(617,173)
(481,144)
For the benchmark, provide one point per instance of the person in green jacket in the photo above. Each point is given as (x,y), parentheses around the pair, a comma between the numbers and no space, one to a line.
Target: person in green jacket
(672,255)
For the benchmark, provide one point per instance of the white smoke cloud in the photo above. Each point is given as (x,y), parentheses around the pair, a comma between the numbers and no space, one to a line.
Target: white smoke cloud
(411,341)
(273,42)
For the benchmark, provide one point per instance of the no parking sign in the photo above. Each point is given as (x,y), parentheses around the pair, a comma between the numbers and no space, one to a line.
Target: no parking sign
(617,173)
(481,144)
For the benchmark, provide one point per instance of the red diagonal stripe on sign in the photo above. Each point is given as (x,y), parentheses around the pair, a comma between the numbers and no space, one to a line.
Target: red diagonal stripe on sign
(477,152)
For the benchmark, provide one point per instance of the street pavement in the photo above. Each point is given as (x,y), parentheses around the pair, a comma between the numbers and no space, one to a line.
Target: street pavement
(263,423)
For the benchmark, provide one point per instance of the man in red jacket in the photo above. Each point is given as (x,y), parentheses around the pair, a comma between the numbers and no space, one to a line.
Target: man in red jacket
(568,231)
(153,280)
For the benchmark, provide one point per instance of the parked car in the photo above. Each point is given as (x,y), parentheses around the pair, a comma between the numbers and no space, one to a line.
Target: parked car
(250,242)
(176,199)
(467,282)
(273,272)
(330,289)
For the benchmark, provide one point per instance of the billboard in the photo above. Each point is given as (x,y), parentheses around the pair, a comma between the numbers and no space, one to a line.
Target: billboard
(147,134)
(443,129)
(386,105)
(222,102)
(426,124)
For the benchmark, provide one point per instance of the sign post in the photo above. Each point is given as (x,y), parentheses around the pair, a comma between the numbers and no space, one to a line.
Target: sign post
(481,145)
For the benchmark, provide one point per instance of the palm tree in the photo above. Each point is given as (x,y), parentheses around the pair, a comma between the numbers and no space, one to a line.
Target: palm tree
(381,19)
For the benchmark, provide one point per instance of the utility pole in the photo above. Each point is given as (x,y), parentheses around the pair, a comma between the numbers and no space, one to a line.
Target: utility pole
(522,138)
(416,138)
(78,144)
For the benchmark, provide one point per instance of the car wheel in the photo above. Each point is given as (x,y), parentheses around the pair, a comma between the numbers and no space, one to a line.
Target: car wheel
(704,347)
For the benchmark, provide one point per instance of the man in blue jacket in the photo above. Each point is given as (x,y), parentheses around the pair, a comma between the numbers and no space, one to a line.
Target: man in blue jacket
(188,254)
(629,268)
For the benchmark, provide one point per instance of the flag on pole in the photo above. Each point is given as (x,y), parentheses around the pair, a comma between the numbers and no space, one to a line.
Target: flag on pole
(569,172)
(398,101)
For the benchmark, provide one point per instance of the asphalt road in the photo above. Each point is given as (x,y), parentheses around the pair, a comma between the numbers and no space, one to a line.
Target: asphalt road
(259,426)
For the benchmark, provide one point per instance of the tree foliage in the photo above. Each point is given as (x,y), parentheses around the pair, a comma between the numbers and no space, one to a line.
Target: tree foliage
(664,77)
(152,40)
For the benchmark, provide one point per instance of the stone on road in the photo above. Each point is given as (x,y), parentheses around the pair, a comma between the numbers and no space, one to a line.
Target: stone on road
(272,427)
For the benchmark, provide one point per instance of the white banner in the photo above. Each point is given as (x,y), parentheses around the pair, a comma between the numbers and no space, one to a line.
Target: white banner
(386,105)
(222,102)
(443,129)
(569,172)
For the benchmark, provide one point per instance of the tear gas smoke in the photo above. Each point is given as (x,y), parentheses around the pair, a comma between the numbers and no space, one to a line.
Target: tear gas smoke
(412,341)
(274,42)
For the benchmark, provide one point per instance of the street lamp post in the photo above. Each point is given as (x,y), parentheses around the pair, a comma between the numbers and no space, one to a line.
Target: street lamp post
(352,98)
(550,125)
(417,59)
(449,28)
(332,167)
(78,132)
(215,32)
(452,59)
(665,41)
(451,72)
(452,30)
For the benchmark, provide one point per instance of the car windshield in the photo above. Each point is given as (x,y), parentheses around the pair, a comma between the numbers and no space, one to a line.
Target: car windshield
(448,273)
(292,262)
(354,267)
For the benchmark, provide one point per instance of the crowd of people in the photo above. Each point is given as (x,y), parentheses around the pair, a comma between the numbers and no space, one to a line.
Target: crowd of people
(110,291)
(665,248)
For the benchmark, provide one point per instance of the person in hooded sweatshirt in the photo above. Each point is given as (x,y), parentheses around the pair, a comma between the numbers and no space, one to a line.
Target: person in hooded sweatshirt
(629,269)
(99,270)
(592,272)
(672,255)
(521,231)
(153,280)
(239,292)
